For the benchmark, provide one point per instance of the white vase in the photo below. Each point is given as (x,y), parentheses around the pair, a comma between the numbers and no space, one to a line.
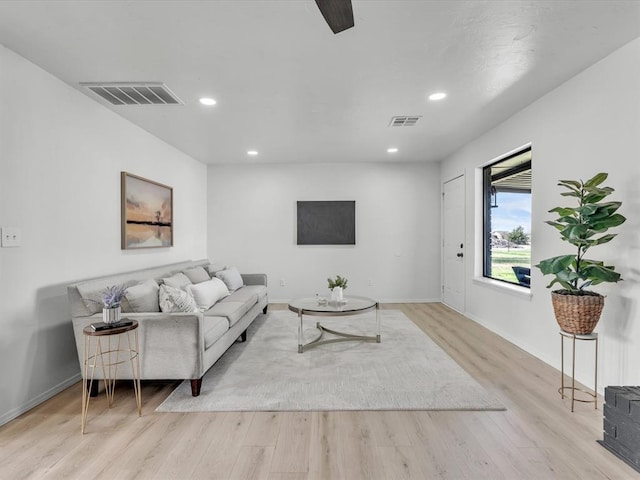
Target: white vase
(111,315)
(336,294)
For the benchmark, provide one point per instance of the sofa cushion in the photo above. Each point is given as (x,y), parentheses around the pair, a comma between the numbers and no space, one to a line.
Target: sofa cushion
(232,311)
(231,278)
(250,293)
(214,328)
(208,293)
(175,300)
(178,280)
(142,298)
(197,274)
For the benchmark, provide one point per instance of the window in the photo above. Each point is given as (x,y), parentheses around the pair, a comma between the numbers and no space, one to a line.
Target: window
(507,219)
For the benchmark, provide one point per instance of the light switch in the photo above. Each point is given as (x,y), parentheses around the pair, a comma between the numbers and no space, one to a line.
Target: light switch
(11,237)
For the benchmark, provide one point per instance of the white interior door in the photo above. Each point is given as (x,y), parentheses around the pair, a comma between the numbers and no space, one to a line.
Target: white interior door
(453,251)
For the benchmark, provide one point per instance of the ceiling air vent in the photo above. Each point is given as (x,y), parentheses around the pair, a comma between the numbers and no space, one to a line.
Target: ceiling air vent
(404,121)
(134,93)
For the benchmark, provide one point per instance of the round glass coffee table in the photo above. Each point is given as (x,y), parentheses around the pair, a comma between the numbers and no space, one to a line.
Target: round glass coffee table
(349,306)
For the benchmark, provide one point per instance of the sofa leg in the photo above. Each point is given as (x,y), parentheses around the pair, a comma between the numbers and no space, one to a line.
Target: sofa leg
(264,310)
(243,336)
(93,390)
(196,383)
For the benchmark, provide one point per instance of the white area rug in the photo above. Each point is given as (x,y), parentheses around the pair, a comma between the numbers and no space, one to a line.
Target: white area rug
(406,371)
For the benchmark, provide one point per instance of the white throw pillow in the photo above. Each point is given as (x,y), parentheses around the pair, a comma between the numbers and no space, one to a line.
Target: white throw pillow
(179,280)
(231,278)
(176,300)
(208,293)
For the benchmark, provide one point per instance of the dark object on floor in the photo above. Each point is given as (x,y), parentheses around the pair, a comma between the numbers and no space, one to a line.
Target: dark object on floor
(622,423)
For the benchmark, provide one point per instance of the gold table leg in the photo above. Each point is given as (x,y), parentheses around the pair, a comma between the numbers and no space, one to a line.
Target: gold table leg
(587,337)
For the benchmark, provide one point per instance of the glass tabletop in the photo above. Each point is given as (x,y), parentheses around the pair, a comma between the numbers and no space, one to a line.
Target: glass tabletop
(349,304)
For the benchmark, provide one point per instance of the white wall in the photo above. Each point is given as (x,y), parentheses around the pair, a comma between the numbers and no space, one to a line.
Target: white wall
(252,224)
(61,155)
(587,125)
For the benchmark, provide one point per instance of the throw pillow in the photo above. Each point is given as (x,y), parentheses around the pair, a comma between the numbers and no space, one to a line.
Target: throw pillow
(214,268)
(178,280)
(143,297)
(176,300)
(208,293)
(92,291)
(231,278)
(197,274)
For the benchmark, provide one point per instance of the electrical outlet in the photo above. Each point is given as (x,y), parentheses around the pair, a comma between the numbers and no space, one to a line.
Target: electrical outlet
(11,237)
(282,282)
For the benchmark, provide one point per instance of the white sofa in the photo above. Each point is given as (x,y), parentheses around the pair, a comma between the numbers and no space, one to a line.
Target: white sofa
(173,345)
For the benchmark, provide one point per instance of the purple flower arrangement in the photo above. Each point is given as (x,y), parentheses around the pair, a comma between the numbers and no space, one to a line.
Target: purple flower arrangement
(113,295)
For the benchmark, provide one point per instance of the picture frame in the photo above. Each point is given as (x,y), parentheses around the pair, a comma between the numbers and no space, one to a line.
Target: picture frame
(146,212)
(326,222)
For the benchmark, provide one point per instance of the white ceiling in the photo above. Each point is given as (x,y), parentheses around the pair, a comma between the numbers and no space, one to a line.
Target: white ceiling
(291,89)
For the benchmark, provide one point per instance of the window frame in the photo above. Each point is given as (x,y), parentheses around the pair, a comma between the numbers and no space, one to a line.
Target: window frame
(486,183)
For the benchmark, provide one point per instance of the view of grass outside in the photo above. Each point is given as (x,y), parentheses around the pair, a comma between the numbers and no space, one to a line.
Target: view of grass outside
(502,259)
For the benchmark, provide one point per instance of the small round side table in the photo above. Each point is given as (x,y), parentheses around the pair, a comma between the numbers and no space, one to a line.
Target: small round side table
(107,354)
(591,337)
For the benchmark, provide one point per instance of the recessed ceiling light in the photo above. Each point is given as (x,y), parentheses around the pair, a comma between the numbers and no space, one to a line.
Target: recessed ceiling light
(252,152)
(207,101)
(392,150)
(437,96)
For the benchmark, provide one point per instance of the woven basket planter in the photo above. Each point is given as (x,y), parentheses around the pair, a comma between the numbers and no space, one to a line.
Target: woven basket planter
(577,314)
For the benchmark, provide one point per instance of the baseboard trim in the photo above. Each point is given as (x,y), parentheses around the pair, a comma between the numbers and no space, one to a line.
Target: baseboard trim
(552,362)
(517,342)
(43,397)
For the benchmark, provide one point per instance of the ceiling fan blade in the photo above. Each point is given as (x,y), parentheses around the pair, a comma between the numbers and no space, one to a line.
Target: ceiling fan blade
(337,13)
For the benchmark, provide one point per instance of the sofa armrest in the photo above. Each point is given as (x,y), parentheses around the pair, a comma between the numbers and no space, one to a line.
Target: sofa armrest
(171,344)
(254,278)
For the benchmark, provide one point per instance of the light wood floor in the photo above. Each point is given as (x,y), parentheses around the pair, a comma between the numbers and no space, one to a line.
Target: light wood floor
(537,437)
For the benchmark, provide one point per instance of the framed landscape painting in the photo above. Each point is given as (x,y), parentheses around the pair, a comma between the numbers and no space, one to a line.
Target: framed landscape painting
(147,213)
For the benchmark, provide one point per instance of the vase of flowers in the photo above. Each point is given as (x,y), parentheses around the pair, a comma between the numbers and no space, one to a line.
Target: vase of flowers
(111,299)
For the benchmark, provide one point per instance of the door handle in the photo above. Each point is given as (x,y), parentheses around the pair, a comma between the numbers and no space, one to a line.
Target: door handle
(460,255)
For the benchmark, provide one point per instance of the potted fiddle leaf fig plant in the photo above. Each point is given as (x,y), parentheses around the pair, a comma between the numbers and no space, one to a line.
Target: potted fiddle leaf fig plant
(584,226)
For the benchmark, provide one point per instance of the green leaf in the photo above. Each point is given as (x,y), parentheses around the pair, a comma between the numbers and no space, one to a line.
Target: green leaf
(588,261)
(599,274)
(609,207)
(553,265)
(568,220)
(570,183)
(559,226)
(587,210)
(567,275)
(564,211)
(608,222)
(597,179)
(574,232)
(571,194)
(604,210)
(604,239)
